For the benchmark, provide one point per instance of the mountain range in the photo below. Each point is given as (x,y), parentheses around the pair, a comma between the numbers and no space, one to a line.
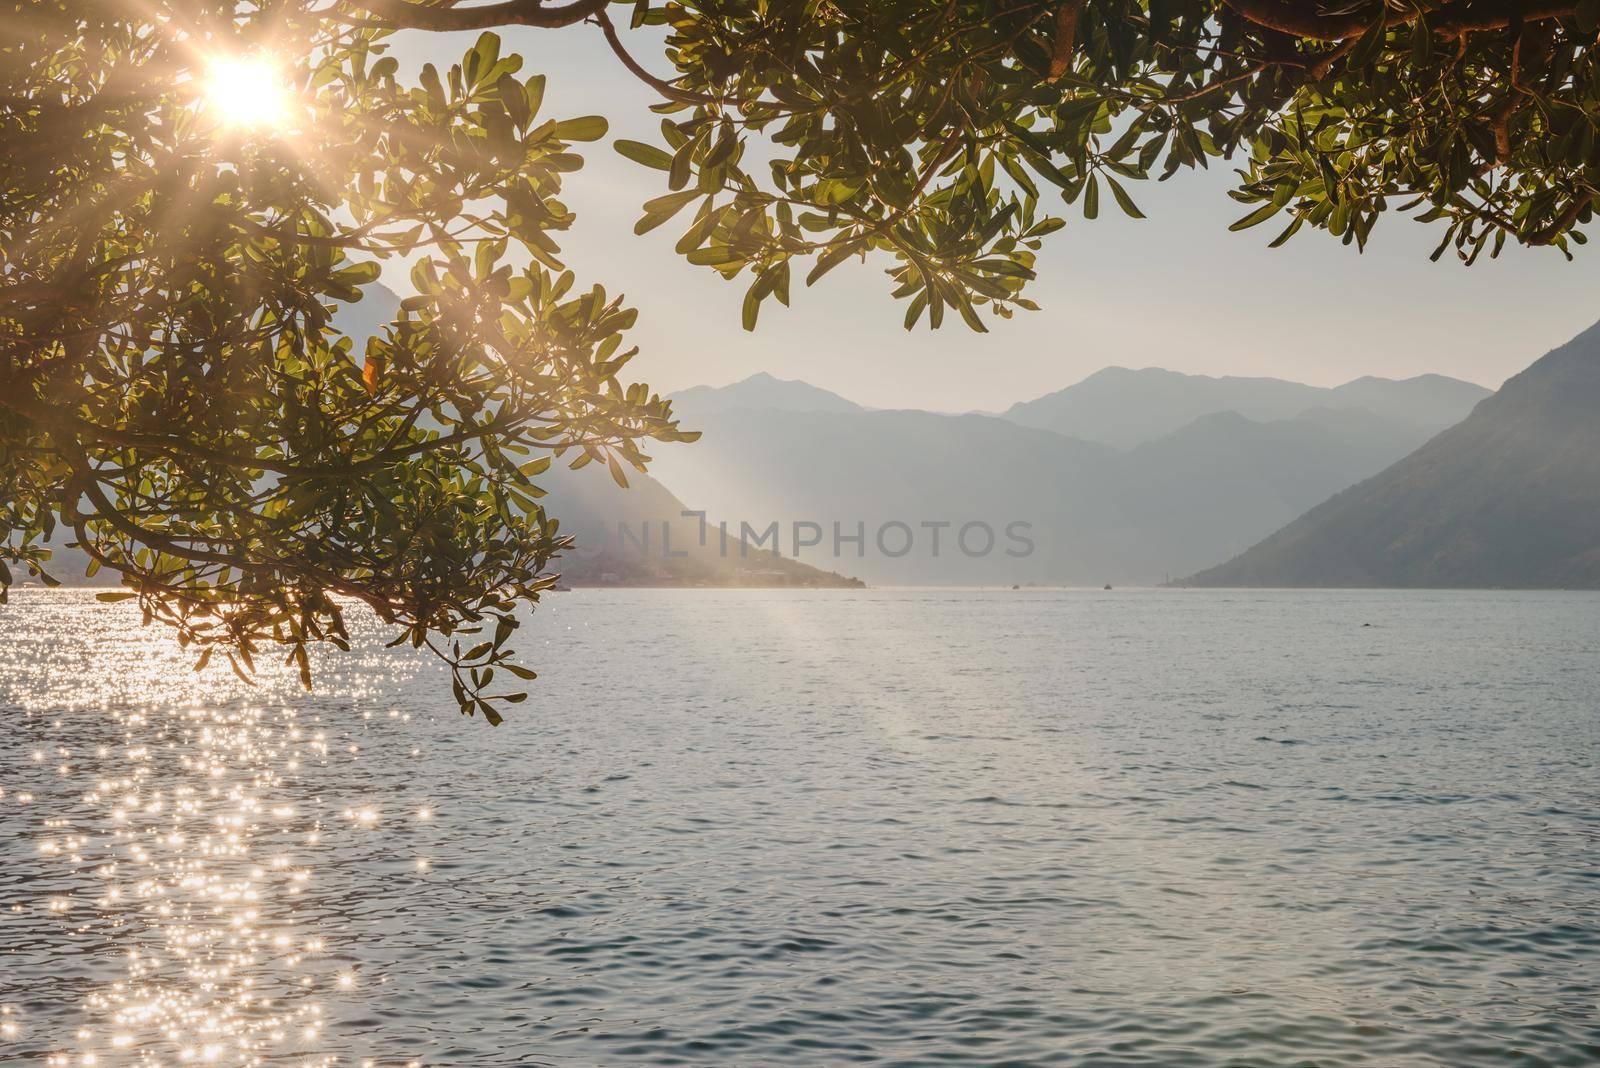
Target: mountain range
(1161,474)
(1129,476)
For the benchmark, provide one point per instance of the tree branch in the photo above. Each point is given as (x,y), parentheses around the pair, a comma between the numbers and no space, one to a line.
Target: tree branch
(1303,18)
(665,88)
(1563,222)
(84,481)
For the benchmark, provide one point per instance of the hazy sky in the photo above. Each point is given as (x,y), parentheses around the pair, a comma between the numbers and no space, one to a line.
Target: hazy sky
(1175,290)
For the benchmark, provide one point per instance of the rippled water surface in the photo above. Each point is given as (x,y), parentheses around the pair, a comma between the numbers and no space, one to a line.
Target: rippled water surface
(746,828)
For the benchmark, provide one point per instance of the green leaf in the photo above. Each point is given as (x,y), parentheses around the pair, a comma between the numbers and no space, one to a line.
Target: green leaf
(1421,42)
(1260,215)
(587,128)
(970,314)
(682,166)
(1124,201)
(515,100)
(751,306)
(432,86)
(534,90)
(662,208)
(649,155)
(830,259)
(718,256)
(697,233)
(1004,267)
(914,311)
(484,55)
(1288,232)
(615,468)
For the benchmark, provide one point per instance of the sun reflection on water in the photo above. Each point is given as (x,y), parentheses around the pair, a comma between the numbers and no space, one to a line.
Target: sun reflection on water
(173,872)
(181,880)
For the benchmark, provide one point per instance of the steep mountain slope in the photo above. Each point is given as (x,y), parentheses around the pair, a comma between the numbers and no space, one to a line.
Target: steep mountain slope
(1508,497)
(1123,407)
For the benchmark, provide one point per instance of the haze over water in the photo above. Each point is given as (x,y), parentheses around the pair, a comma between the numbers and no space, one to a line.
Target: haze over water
(1176,828)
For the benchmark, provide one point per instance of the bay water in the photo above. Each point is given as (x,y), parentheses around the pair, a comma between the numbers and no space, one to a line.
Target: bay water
(1040,827)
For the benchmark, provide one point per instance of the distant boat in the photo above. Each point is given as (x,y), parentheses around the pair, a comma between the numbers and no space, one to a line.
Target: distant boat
(1108,585)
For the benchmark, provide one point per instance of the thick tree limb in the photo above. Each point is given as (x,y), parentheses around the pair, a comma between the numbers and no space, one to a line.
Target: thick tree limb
(482,17)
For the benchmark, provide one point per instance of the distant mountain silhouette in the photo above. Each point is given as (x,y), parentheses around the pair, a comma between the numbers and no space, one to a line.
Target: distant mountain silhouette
(759,391)
(1123,407)
(1095,514)
(1510,497)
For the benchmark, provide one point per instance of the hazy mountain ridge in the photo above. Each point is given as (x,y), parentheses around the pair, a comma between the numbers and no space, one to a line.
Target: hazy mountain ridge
(759,391)
(1426,400)
(876,468)
(1510,497)
(1094,513)
(1124,407)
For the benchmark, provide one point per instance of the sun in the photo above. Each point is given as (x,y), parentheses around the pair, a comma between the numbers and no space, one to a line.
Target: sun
(246,92)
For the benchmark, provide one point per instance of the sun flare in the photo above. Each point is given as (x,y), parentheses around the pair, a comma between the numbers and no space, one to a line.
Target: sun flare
(246,92)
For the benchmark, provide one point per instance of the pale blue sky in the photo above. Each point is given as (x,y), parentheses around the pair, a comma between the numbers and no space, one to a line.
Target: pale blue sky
(1175,290)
